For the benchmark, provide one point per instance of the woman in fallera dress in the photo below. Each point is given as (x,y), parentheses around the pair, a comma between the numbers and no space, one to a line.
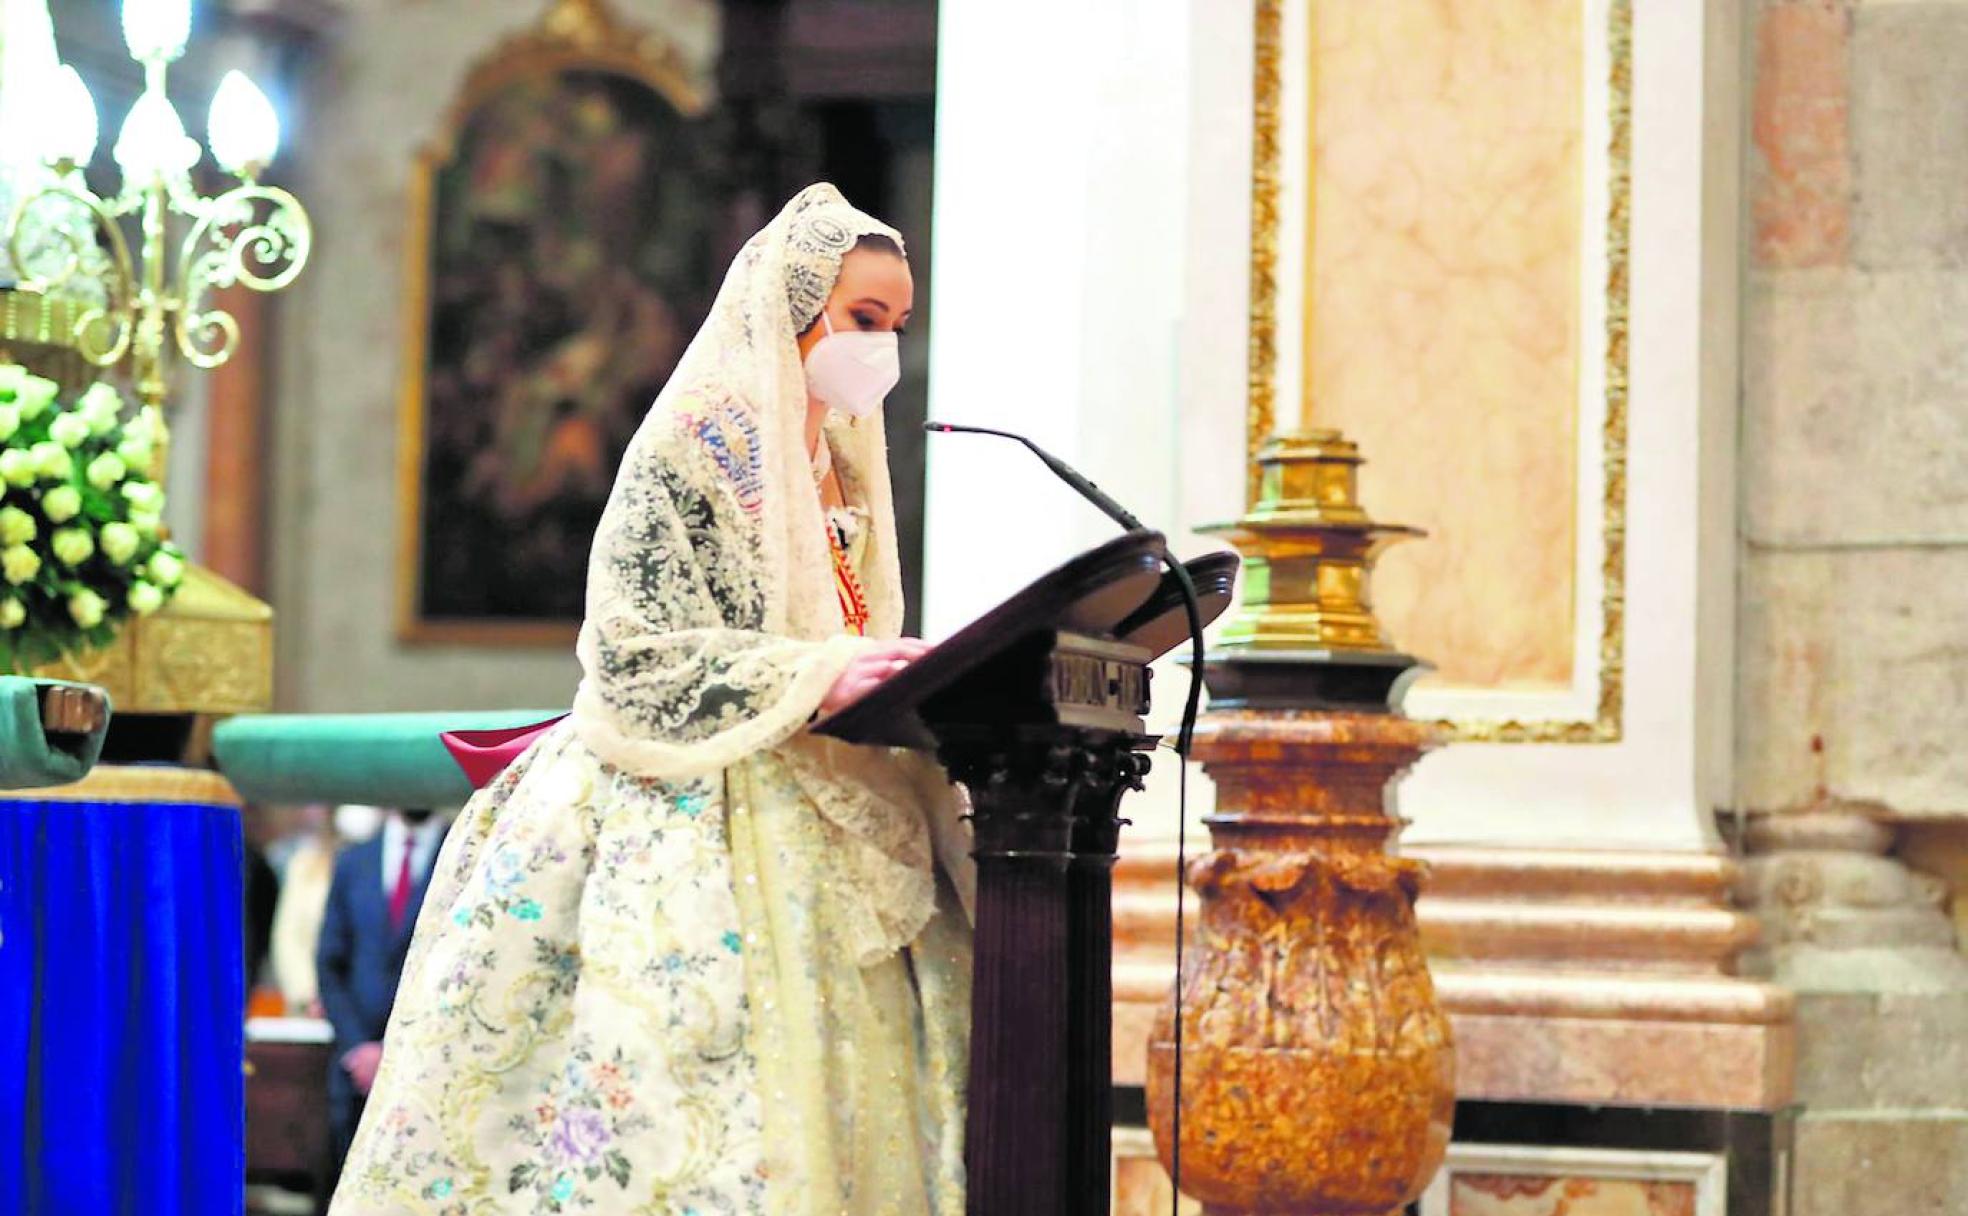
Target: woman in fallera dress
(683,956)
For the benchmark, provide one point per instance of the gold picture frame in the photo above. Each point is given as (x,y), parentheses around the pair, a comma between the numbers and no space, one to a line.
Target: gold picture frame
(574,36)
(1606,725)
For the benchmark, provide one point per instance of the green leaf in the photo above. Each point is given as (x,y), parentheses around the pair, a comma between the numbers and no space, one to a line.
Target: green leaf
(520,1178)
(618,1169)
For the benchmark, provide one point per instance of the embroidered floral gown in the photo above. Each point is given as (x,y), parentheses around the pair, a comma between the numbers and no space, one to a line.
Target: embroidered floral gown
(663,970)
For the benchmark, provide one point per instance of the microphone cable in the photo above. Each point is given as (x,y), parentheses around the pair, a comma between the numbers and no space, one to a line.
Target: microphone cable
(1185,742)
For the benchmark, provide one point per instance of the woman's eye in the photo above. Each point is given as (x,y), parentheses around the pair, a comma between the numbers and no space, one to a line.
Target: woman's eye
(864,320)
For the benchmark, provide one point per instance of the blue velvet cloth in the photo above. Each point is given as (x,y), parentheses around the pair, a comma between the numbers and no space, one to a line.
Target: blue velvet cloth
(122,1009)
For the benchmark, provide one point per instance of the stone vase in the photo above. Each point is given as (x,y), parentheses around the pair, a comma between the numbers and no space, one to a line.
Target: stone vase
(1317,1066)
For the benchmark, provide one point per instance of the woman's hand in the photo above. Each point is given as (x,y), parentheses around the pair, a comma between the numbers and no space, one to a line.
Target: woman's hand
(870,668)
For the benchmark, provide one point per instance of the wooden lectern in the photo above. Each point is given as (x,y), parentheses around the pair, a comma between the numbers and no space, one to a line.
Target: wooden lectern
(1037,708)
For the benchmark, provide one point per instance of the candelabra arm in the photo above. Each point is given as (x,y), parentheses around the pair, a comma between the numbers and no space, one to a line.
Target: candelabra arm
(232,242)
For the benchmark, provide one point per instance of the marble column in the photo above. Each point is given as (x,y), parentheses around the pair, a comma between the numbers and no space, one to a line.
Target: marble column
(1855,682)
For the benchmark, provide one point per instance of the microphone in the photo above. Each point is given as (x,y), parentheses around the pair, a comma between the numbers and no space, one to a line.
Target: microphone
(1083,485)
(1066,472)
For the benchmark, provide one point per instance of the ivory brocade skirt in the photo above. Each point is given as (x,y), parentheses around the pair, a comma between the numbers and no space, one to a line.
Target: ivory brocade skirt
(628,995)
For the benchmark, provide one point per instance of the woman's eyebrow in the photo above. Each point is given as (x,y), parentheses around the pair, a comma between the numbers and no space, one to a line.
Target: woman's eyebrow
(872,300)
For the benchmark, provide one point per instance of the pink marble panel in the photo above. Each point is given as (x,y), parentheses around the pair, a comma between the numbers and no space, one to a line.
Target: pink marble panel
(1445,313)
(1801,189)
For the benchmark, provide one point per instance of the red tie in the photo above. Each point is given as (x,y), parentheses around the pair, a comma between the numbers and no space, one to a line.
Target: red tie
(400,895)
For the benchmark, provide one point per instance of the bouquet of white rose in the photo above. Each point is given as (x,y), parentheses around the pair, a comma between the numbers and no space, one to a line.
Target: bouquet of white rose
(81,546)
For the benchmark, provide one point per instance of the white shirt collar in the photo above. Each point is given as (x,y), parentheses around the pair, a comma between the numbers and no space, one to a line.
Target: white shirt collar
(421,840)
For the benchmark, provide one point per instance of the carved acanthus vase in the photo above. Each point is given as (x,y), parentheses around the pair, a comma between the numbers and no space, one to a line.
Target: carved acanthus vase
(1318,1076)
(1317,1072)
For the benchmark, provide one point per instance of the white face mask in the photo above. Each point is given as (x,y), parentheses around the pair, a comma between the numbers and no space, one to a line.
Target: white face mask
(852,372)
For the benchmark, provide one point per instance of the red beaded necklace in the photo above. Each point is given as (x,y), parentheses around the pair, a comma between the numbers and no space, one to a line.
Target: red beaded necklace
(847,585)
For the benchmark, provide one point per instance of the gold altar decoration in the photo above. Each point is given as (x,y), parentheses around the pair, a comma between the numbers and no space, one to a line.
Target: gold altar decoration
(208,651)
(85,300)
(34,332)
(1605,725)
(1309,550)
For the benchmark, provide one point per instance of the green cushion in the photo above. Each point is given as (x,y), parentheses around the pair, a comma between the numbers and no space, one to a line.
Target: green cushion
(389,760)
(29,757)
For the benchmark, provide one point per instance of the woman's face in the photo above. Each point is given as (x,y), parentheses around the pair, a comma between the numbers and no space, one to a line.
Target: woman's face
(875,293)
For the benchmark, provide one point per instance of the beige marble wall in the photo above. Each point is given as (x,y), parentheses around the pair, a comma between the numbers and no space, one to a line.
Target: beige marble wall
(1445,313)
(374,95)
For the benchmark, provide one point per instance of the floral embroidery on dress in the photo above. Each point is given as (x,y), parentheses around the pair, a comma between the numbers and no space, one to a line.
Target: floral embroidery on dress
(584,1114)
(731,437)
(571,1027)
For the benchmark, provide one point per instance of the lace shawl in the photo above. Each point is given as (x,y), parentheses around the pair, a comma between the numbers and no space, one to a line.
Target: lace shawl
(712,629)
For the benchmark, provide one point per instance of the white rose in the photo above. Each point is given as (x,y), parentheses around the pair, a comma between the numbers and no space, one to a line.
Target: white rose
(17,467)
(72,546)
(146,523)
(69,430)
(166,568)
(106,470)
(101,406)
(87,608)
(120,542)
(52,460)
(145,598)
(61,504)
(11,375)
(17,527)
(19,563)
(143,496)
(13,614)
(35,394)
(9,421)
(136,453)
(142,428)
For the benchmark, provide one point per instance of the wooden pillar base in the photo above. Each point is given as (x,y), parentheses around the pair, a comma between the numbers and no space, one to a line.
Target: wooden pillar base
(1037,1138)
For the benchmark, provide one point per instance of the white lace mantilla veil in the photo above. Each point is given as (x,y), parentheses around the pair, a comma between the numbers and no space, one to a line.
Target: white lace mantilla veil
(713,628)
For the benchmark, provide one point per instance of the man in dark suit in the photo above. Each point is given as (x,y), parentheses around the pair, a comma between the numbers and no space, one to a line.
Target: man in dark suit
(373,902)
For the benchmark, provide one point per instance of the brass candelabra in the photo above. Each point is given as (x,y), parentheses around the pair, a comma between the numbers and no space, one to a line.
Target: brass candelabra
(76,270)
(127,281)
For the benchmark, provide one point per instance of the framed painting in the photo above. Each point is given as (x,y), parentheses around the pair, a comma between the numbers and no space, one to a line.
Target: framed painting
(564,244)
